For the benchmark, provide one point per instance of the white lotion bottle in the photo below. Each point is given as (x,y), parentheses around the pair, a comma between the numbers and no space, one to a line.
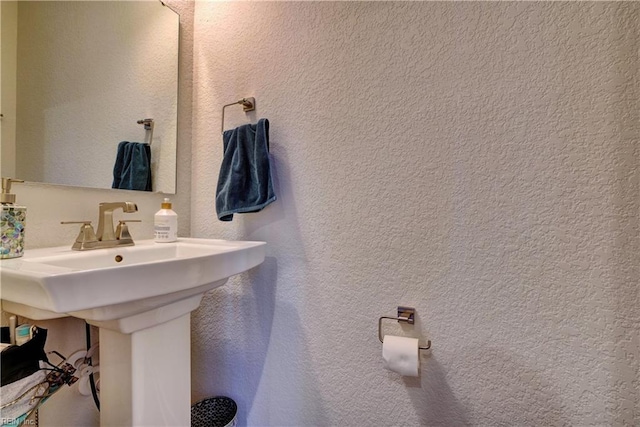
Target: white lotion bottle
(165,224)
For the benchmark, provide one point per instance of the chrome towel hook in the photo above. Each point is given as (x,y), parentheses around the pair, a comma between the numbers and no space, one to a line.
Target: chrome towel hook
(248,104)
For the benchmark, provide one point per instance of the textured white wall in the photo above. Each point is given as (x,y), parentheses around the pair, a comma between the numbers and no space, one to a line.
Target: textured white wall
(478,161)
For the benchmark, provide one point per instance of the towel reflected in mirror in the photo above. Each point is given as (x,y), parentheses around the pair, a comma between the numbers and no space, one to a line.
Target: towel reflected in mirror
(132,169)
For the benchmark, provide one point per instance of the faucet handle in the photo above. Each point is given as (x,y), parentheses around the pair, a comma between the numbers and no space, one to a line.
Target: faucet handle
(122,230)
(86,237)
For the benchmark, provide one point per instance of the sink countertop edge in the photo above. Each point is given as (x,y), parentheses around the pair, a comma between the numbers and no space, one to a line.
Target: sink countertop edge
(255,250)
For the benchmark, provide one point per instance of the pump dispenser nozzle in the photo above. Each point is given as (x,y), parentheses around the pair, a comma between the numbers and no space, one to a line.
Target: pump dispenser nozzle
(6,197)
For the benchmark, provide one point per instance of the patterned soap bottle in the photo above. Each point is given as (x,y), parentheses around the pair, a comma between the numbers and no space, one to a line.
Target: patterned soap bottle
(12,220)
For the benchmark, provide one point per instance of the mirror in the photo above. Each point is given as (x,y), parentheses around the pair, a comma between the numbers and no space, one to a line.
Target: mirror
(86,73)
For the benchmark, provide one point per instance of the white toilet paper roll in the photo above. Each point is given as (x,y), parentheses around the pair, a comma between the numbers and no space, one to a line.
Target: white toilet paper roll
(401,355)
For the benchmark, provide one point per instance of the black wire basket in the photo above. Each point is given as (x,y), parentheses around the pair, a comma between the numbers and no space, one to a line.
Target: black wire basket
(219,411)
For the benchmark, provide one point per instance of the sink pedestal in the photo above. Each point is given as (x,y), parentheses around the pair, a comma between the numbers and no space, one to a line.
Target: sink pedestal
(145,366)
(145,376)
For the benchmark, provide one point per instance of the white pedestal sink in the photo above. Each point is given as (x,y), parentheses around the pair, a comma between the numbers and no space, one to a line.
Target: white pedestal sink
(140,297)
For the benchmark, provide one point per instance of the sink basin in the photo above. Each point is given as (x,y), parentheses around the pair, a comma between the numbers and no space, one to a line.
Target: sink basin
(106,285)
(140,297)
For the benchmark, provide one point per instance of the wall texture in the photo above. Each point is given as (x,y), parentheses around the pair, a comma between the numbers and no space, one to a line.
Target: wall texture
(478,161)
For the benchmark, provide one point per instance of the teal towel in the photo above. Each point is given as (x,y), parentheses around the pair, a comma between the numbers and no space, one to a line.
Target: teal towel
(132,170)
(244,183)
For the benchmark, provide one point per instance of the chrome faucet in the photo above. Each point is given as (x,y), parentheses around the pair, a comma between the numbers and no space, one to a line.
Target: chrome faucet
(106,237)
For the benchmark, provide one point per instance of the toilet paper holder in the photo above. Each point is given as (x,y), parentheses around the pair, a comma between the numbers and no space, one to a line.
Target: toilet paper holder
(405,315)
